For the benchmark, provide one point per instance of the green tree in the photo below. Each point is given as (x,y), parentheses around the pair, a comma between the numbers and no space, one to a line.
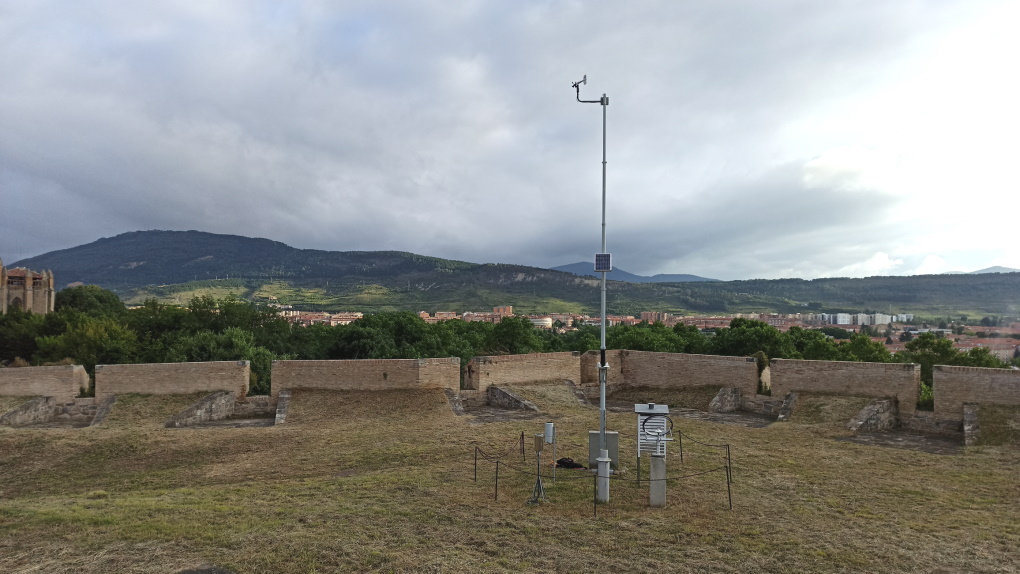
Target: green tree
(585,338)
(18,332)
(813,344)
(513,336)
(643,337)
(691,339)
(980,357)
(233,344)
(862,348)
(745,337)
(928,350)
(91,300)
(90,341)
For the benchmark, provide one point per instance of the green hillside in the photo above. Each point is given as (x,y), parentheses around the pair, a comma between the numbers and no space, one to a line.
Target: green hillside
(176,265)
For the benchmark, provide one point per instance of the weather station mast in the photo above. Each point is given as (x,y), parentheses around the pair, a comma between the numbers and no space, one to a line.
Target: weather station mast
(603,265)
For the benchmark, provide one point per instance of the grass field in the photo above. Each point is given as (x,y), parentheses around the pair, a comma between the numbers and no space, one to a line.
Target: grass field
(185,296)
(383,481)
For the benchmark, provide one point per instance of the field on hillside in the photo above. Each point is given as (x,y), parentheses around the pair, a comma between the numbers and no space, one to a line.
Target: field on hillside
(359,481)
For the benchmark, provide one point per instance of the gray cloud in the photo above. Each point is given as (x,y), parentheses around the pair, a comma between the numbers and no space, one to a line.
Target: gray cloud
(450,129)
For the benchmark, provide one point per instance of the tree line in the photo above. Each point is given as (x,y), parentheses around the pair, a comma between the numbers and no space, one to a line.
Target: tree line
(92,326)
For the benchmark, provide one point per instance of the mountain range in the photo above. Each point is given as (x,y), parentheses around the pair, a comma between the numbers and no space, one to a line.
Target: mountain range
(996,269)
(176,265)
(587,268)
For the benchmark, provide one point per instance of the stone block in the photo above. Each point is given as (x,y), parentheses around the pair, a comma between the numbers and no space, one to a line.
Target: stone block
(282,404)
(971,429)
(727,400)
(786,410)
(878,415)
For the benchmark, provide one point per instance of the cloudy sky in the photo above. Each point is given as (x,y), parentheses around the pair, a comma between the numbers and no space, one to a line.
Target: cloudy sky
(745,138)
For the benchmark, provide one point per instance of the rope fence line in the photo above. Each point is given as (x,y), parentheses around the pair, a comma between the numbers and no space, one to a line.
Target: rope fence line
(680,444)
(725,468)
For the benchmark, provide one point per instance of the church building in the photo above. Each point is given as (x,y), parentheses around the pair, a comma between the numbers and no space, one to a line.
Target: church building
(26,289)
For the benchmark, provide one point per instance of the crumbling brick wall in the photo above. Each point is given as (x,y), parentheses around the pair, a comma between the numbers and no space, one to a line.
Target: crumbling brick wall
(481,372)
(879,380)
(955,386)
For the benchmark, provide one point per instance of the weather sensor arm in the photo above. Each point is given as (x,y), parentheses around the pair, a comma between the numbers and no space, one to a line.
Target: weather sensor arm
(577,87)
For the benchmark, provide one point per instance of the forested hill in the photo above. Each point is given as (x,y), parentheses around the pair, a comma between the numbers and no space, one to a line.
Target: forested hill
(141,258)
(162,263)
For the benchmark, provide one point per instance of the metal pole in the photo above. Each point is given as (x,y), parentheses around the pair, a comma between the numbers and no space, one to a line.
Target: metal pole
(603,459)
(729,465)
(638,483)
(603,367)
(729,492)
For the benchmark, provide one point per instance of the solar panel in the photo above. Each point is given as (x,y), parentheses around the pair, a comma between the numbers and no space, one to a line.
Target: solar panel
(603,263)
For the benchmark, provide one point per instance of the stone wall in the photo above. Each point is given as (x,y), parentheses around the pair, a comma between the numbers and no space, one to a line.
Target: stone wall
(172,378)
(367,374)
(877,380)
(47,410)
(509,369)
(254,406)
(673,370)
(878,415)
(62,382)
(678,370)
(955,386)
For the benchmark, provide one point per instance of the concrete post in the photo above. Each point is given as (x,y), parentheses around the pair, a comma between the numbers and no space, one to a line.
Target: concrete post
(603,472)
(657,486)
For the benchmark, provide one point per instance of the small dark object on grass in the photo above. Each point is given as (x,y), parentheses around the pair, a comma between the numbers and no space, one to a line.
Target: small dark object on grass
(568,463)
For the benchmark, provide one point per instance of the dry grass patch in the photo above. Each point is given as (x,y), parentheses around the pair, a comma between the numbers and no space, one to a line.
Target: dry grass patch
(818,408)
(364,482)
(553,397)
(999,425)
(134,411)
(685,398)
